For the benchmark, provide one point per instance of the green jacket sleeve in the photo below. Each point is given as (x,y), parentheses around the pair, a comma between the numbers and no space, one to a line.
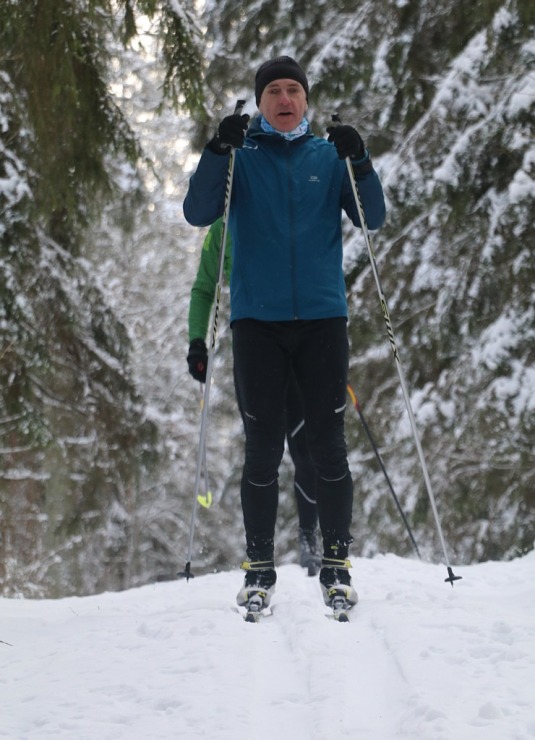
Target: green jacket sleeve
(204,285)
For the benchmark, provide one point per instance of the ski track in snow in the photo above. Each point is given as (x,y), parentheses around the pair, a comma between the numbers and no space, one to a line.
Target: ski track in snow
(419,659)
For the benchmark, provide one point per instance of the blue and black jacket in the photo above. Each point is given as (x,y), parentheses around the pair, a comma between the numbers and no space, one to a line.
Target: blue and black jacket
(285,222)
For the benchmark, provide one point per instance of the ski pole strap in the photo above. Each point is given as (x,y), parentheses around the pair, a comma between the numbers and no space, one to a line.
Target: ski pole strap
(257,565)
(335,563)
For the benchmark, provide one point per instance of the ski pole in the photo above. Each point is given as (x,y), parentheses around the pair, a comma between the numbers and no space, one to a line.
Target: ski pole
(206,499)
(451,577)
(356,404)
(211,349)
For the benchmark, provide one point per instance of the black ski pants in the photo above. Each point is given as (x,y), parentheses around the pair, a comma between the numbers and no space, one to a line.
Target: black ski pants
(265,356)
(304,471)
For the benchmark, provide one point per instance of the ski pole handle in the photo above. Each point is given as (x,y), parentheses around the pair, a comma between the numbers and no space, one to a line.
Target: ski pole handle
(240,104)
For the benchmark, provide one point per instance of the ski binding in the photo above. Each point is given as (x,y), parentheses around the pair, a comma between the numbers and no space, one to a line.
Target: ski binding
(340,608)
(256,607)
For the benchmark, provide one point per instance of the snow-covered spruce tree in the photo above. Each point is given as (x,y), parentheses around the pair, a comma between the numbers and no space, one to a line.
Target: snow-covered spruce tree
(147,272)
(459,268)
(443,94)
(76,446)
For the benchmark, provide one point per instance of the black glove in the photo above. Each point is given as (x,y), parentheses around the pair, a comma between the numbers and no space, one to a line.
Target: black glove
(198,360)
(230,133)
(347,141)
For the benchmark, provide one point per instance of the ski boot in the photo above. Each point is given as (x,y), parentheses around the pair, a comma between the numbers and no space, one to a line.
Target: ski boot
(310,557)
(338,593)
(258,588)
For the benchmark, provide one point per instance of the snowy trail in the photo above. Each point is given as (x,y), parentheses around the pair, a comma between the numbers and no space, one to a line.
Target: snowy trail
(175,660)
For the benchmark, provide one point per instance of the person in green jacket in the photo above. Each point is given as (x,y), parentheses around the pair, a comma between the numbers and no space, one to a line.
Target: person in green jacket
(201,301)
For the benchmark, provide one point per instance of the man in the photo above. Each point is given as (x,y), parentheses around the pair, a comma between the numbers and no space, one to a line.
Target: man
(201,300)
(288,305)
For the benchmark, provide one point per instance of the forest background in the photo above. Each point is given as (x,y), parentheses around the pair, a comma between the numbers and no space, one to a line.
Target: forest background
(104,107)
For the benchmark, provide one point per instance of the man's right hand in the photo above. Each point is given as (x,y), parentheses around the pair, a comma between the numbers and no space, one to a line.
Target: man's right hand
(198,359)
(230,133)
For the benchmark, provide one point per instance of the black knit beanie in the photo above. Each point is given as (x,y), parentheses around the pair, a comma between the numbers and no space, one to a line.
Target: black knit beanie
(280,68)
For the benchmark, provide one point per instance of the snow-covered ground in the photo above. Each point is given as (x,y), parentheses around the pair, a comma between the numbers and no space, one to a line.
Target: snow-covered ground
(419,660)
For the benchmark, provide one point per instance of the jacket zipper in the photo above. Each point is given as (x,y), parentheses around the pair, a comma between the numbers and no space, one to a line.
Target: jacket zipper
(291,213)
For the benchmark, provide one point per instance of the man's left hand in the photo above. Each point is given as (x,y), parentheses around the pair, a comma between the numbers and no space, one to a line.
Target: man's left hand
(347,141)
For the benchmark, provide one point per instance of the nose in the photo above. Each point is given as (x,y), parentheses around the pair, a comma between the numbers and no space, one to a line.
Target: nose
(284,98)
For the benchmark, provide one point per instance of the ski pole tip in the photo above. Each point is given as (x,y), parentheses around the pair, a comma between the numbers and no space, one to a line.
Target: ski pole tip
(186,573)
(451,577)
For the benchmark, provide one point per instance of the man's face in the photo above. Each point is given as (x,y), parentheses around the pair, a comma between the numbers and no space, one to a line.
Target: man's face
(283,104)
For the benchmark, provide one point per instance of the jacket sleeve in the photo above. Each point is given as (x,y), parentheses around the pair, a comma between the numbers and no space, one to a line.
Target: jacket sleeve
(203,289)
(205,199)
(371,195)
(204,285)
